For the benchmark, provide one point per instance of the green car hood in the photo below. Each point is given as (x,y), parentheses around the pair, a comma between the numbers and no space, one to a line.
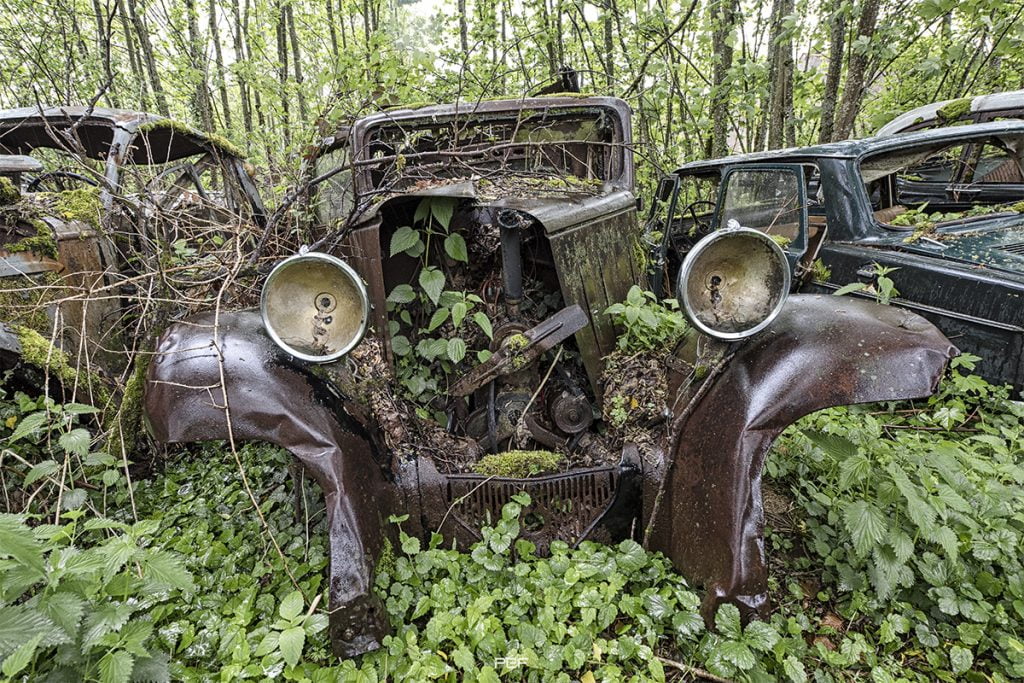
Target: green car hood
(997,243)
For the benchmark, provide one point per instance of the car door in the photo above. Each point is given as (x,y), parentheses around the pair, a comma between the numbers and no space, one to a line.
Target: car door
(771,198)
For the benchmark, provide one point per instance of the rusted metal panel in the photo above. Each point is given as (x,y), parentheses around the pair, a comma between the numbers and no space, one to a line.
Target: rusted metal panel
(269,399)
(821,351)
(597,264)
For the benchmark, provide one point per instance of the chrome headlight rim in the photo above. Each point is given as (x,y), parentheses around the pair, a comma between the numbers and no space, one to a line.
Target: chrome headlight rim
(686,271)
(314,257)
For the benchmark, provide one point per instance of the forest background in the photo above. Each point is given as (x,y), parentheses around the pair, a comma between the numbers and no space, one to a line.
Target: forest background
(704,77)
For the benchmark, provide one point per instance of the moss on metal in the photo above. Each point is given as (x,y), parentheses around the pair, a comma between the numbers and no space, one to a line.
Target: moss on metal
(124,427)
(517,464)
(42,242)
(81,204)
(218,141)
(23,300)
(37,351)
(954,110)
(9,194)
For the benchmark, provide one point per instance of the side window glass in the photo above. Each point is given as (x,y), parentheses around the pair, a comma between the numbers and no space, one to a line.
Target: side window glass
(772,199)
(334,199)
(769,200)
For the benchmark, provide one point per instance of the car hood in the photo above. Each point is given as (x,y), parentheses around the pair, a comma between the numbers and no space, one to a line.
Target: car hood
(997,243)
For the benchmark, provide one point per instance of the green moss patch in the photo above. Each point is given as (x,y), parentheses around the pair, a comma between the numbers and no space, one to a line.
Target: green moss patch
(125,425)
(213,139)
(9,194)
(42,242)
(517,464)
(36,350)
(81,204)
(954,110)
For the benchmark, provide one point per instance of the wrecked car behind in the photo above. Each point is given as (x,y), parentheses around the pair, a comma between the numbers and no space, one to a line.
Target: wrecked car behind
(449,347)
(103,199)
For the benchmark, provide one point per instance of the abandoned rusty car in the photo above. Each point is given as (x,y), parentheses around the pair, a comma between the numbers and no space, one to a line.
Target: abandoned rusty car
(446,345)
(90,199)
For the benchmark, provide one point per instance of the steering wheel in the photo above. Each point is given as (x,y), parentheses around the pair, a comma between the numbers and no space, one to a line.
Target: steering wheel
(702,228)
(56,181)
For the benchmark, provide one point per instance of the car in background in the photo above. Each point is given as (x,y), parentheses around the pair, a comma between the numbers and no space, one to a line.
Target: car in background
(980,109)
(93,197)
(940,213)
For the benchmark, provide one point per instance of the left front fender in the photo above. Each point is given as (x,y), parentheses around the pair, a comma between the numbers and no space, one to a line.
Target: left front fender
(271,398)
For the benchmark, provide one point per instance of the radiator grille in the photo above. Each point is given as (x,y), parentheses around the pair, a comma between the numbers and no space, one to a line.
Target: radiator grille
(563,506)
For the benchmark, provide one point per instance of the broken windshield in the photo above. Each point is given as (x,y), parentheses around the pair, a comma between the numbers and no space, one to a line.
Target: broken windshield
(578,144)
(946,183)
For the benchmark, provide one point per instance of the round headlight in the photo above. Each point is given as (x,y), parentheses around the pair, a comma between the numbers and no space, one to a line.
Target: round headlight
(733,283)
(315,307)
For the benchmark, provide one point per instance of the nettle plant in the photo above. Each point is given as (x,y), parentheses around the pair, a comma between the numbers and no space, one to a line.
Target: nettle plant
(433,317)
(646,324)
(883,288)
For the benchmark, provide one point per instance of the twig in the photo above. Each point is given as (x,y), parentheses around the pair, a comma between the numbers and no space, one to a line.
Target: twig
(692,670)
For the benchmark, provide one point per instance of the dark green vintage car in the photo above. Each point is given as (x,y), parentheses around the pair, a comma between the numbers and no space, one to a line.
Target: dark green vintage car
(940,213)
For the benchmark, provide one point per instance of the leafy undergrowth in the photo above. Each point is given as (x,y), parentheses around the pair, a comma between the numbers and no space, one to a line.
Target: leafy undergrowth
(894,545)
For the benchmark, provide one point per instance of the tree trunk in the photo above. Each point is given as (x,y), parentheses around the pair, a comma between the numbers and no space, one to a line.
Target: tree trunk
(297,62)
(142,34)
(609,45)
(853,90)
(724,21)
(222,78)
(463,29)
(241,55)
(333,33)
(282,71)
(134,56)
(780,101)
(201,99)
(836,47)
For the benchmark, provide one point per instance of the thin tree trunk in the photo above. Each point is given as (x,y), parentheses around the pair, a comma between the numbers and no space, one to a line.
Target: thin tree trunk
(333,33)
(836,47)
(241,55)
(201,100)
(297,62)
(282,70)
(780,129)
(142,34)
(222,78)
(853,90)
(724,17)
(463,29)
(609,45)
(134,57)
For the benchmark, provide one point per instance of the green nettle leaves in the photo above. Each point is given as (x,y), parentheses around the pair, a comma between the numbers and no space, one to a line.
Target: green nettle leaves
(646,324)
(432,281)
(428,314)
(921,529)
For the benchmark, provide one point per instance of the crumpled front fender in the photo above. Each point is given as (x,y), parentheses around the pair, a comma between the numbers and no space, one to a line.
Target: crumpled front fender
(821,351)
(270,398)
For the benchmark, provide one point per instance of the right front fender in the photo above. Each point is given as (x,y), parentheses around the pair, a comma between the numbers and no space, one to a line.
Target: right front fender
(271,398)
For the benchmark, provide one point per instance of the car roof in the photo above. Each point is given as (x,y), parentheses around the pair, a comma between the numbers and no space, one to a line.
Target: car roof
(1013,99)
(853,149)
(167,140)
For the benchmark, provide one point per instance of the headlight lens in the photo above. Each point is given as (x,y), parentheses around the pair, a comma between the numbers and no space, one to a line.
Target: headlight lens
(315,307)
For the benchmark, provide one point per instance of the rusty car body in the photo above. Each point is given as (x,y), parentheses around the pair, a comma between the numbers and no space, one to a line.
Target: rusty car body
(541,192)
(940,210)
(101,195)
